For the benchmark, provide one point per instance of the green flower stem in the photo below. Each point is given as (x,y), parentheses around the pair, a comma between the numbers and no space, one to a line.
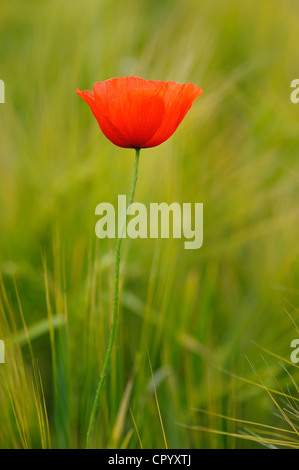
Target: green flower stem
(115,309)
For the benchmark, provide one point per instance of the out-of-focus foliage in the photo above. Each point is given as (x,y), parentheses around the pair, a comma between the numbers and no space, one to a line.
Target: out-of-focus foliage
(198,312)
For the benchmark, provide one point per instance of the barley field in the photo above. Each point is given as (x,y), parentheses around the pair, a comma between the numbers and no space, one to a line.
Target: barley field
(202,356)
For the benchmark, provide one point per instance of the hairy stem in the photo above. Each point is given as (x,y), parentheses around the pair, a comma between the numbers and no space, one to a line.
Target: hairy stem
(115,310)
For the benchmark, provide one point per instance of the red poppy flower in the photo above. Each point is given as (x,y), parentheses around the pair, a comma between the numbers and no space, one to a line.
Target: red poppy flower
(138,113)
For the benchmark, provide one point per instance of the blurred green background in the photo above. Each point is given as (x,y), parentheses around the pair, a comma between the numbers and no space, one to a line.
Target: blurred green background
(200,317)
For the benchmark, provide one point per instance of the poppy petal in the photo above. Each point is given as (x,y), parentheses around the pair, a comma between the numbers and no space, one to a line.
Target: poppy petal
(178,100)
(108,129)
(137,114)
(112,89)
